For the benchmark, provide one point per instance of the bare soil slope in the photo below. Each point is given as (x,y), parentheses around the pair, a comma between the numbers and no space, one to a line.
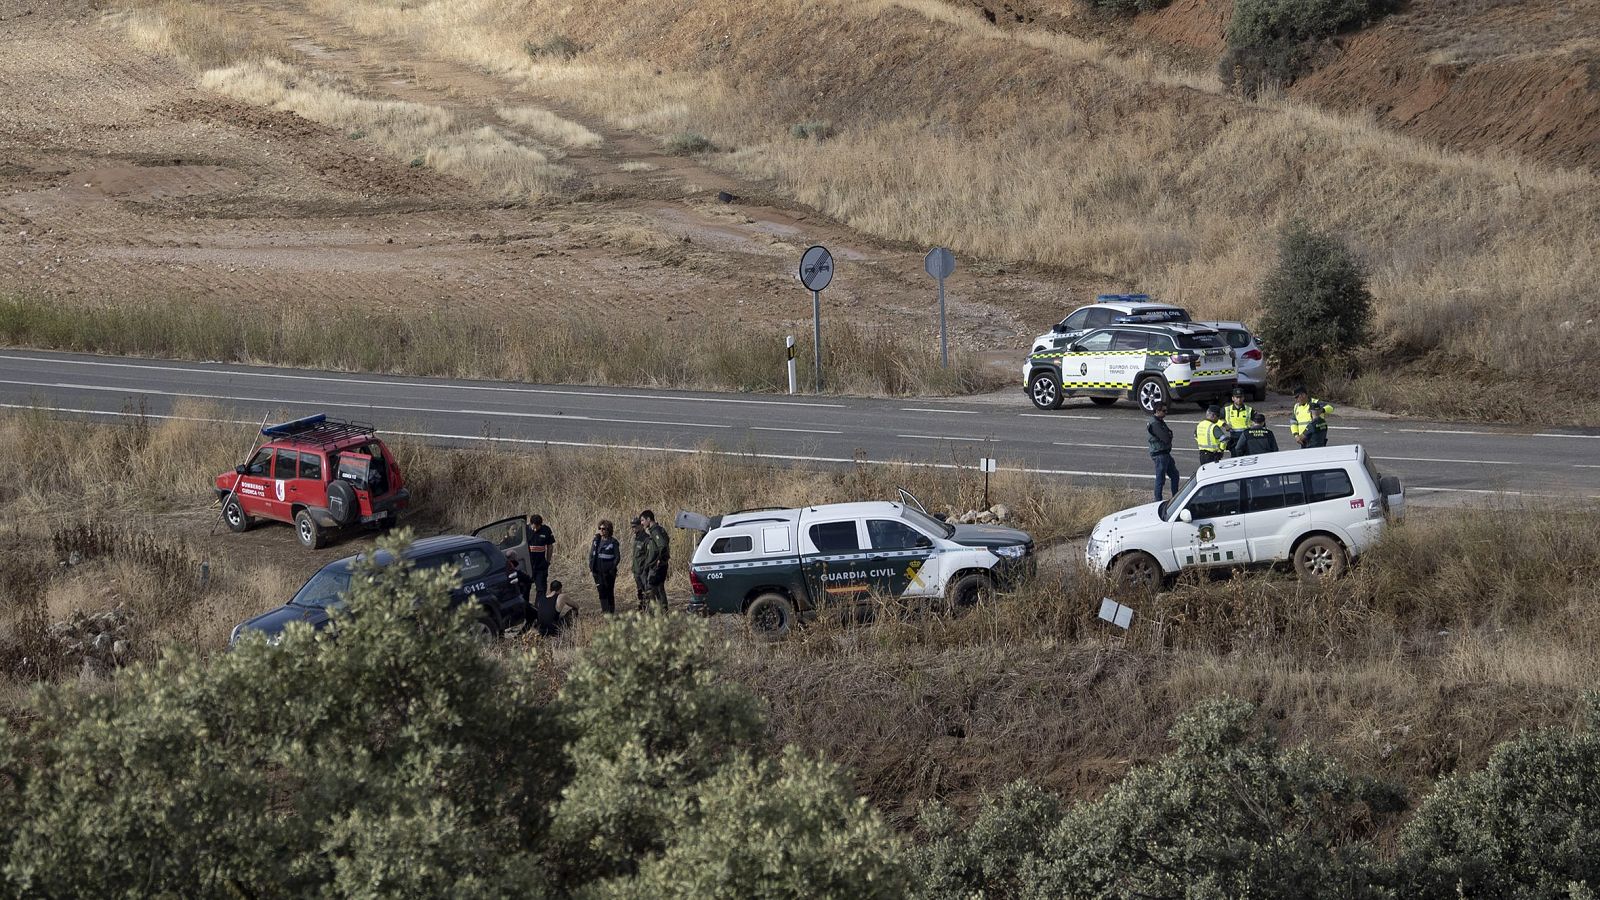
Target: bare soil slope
(1519,76)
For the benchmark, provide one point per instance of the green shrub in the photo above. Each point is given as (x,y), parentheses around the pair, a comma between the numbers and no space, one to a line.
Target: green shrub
(1129,7)
(1226,814)
(1273,40)
(1315,305)
(687,142)
(1526,826)
(819,130)
(559,47)
(399,759)
(988,857)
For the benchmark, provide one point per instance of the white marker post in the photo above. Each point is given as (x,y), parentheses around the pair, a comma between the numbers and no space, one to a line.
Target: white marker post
(788,352)
(987,464)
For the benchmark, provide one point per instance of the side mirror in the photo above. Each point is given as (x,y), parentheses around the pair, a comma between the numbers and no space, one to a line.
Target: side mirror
(1059,328)
(238,470)
(1186,516)
(924,543)
(1074,348)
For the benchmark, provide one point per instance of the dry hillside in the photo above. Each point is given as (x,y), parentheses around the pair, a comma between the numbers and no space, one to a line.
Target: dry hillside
(514,156)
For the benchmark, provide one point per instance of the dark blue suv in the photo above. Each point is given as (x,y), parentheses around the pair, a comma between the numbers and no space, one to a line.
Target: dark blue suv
(483,576)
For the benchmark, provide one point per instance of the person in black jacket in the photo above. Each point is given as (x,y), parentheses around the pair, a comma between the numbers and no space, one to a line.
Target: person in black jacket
(1256,439)
(604,555)
(1159,434)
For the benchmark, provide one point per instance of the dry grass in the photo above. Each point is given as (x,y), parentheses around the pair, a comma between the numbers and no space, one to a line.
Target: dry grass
(549,127)
(1019,144)
(427,135)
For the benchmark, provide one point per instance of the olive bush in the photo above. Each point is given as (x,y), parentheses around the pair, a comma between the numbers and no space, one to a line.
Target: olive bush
(392,757)
(1316,309)
(1527,825)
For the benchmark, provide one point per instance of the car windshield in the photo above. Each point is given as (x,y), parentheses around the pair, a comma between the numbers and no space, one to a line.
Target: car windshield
(1203,341)
(326,589)
(1178,499)
(927,523)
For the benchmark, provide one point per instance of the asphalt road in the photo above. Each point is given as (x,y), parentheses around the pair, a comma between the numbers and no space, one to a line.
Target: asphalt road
(1081,442)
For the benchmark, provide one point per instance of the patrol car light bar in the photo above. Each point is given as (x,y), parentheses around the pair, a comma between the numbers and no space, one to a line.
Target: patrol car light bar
(1122,298)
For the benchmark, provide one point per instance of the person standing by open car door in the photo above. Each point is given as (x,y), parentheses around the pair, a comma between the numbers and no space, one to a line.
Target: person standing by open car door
(663,555)
(541,545)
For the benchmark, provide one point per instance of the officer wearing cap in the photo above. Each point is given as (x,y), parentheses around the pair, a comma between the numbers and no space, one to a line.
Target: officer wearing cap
(1316,433)
(1302,416)
(1211,436)
(1256,439)
(1236,416)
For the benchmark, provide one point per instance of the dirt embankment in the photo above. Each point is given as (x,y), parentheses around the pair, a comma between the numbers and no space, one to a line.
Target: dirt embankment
(1498,75)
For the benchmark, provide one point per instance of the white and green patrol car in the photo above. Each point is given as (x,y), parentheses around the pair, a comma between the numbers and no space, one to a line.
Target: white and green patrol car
(780,566)
(1144,363)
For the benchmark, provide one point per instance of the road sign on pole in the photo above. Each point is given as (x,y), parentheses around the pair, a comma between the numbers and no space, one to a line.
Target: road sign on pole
(939,263)
(816,273)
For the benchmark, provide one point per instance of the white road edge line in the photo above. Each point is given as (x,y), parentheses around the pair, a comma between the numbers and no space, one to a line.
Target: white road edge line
(795,430)
(1059,416)
(417,384)
(942,412)
(1478,462)
(418,409)
(938,437)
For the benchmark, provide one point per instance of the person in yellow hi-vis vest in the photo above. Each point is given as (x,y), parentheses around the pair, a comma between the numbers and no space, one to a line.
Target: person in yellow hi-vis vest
(1306,422)
(1236,416)
(1210,436)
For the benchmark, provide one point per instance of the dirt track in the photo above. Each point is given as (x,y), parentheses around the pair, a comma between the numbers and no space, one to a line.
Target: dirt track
(121,181)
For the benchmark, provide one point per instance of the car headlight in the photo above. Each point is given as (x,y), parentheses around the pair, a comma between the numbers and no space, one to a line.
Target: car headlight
(274,639)
(1013,552)
(1091,548)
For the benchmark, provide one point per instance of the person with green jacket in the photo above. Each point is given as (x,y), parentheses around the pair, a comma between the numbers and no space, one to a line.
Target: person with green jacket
(644,559)
(657,578)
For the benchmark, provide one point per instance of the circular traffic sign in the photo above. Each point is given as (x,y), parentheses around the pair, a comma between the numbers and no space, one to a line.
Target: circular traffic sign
(816,268)
(939,263)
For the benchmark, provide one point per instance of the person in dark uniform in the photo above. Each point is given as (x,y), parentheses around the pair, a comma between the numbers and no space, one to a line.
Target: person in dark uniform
(566,610)
(1316,431)
(541,546)
(519,580)
(663,555)
(1256,439)
(1159,434)
(644,560)
(604,555)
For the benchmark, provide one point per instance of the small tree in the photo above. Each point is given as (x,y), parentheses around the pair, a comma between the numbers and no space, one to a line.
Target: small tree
(1315,304)
(1526,826)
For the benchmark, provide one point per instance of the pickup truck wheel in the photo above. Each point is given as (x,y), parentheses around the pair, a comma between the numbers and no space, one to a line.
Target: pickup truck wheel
(1103,401)
(1150,390)
(1044,390)
(1319,558)
(311,535)
(970,590)
(771,616)
(233,514)
(1136,573)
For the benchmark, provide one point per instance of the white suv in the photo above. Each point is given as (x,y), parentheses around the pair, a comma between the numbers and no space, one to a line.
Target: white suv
(1111,309)
(1319,508)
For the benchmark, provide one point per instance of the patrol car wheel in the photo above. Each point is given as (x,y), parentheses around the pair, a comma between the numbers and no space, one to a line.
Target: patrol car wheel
(1150,391)
(309,533)
(970,590)
(484,629)
(1102,401)
(771,616)
(233,515)
(1045,391)
(1136,573)
(1319,558)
